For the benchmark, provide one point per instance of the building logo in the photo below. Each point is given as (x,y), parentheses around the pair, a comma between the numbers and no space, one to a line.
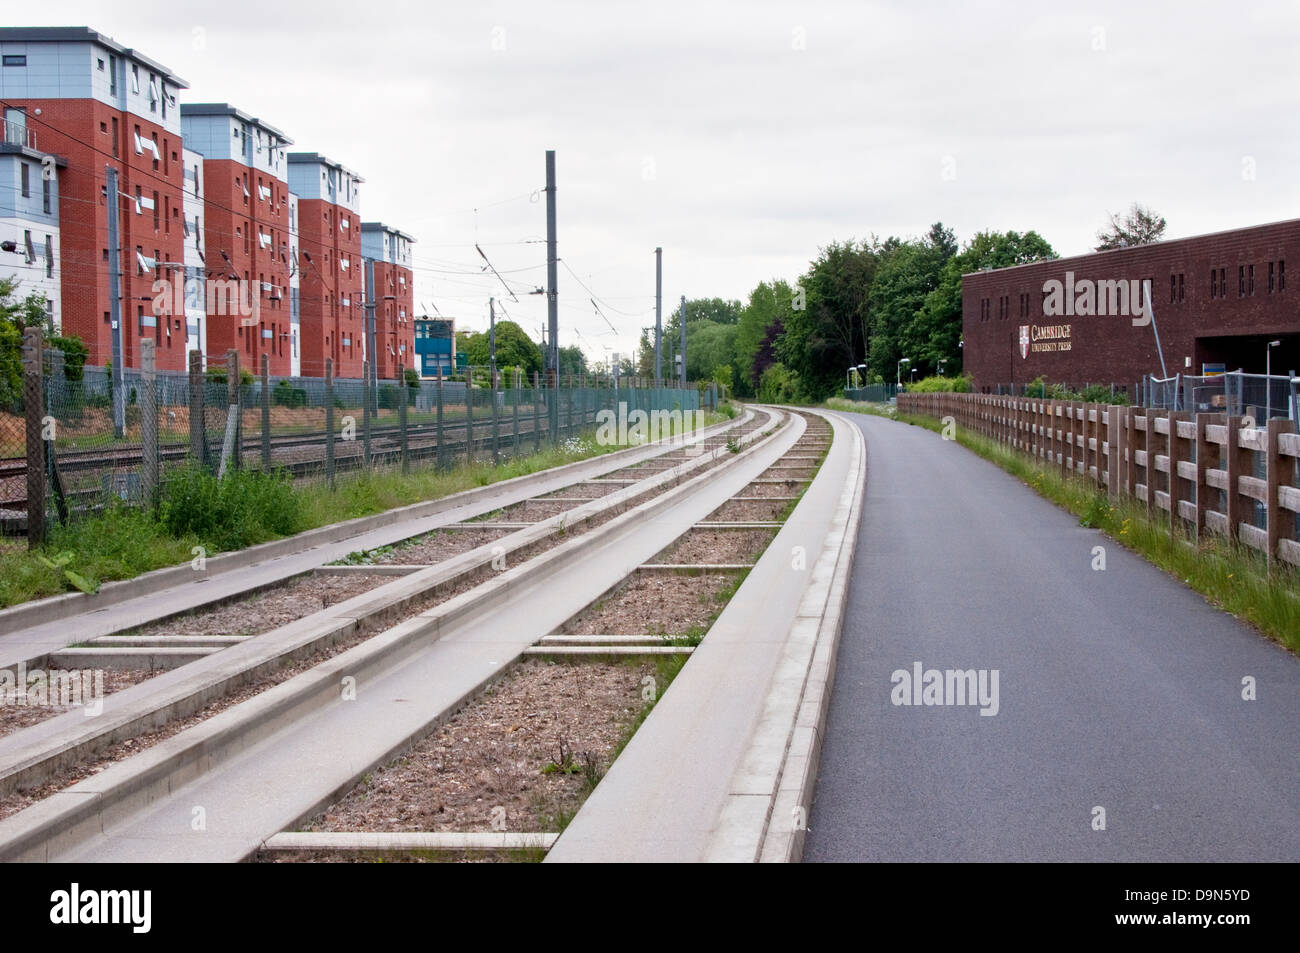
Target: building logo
(1024,341)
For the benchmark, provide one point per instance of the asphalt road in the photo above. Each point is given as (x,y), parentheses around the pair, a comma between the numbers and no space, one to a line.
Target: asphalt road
(1118,689)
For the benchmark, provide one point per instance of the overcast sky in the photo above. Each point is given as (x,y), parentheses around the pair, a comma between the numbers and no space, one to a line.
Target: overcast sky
(743,136)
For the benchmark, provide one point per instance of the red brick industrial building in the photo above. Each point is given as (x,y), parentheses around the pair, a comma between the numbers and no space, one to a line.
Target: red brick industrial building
(1218,301)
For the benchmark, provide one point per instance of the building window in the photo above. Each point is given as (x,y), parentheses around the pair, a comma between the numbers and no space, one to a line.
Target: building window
(1223,282)
(135,79)
(1270,277)
(1173,288)
(1241,281)
(100,64)
(46,196)
(1281,276)
(49,256)
(12,59)
(1250,284)
(1214,283)
(25,178)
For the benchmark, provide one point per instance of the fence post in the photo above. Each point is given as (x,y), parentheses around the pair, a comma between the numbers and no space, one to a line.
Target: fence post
(1238,464)
(1130,451)
(1114,451)
(367,395)
(514,411)
(401,417)
(198,424)
(537,416)
(442,444)
(329,422)
(266,412)
(232,400)
(1204,449)
(1177,455)
(1280,472)
(496,420)
(469,416)
(34,405)
(148,422)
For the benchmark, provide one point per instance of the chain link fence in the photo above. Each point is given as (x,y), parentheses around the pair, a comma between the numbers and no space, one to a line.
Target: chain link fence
(222,416)
(1258,396)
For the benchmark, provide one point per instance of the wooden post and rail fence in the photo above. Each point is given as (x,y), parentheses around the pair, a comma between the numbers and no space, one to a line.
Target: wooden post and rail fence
(1200,473)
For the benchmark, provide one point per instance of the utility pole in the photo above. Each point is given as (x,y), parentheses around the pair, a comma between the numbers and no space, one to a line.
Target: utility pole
(659,308)
(552,299)
(683,376)
(372,373)
(492,377)
(115,305)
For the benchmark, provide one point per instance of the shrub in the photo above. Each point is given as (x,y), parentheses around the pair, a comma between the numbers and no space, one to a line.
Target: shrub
(285,394)
(941,385)
(390,395)
(243,508)
(778,385)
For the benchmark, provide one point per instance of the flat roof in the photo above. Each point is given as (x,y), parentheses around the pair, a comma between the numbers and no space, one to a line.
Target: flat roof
(84,34)
(10,148)
(317,158)
(225,109)
(380,226)
(1127,248)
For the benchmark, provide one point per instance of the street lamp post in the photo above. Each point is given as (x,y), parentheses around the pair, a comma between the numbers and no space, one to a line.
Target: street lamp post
(942,363)
(1268,379)
(899,376)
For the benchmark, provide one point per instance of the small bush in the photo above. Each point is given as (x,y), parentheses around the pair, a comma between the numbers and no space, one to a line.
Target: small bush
(244,508)
(940,385)
(285,394)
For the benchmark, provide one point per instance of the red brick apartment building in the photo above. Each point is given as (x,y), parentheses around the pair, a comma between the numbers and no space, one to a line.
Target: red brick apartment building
(86,98)
(1217,302)
(394,295)
(331,309)
(247,224)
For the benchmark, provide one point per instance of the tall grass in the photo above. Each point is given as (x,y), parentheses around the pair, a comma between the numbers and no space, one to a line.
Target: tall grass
(246,508)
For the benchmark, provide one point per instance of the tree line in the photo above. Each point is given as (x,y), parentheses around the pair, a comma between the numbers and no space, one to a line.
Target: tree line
(866,302)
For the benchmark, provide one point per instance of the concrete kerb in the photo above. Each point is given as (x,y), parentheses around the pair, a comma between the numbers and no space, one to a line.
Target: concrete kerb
(65,739)
(725,739)
(785,828)
(41,611)
(88,807)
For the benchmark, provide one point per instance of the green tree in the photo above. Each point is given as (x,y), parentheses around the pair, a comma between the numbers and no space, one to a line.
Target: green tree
(17,314)
(572,361)
(830,331)
(762,321)
(1139,226)
(514,348)
(936,330)
(908,271)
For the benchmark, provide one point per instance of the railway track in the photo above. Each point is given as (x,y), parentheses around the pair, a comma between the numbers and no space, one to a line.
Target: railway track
(300,455)
(302,710)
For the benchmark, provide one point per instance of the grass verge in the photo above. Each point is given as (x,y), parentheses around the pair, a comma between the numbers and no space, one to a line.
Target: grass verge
(123,542)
